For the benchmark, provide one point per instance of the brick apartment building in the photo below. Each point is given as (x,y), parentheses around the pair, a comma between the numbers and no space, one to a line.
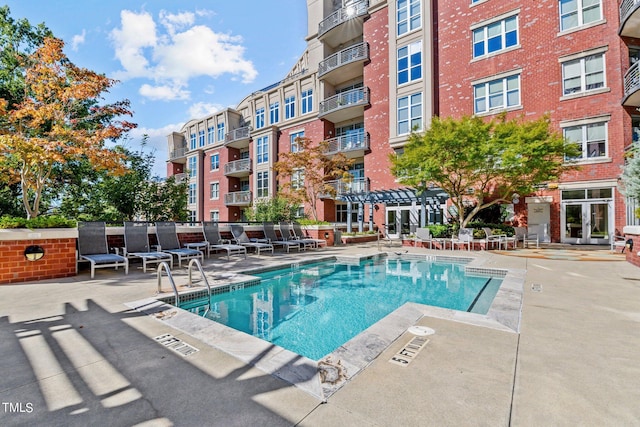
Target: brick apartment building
(375,69)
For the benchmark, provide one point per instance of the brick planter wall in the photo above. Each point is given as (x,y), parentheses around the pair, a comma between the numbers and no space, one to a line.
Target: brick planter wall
(59,254)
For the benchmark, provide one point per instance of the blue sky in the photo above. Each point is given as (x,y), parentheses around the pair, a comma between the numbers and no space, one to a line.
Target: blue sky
(176,60)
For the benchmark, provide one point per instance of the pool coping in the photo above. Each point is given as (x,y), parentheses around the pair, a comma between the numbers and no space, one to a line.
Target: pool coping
(322,378)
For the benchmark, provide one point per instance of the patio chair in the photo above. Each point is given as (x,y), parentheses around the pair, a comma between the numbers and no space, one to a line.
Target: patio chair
(217,243)
(270,233)
(288,234)
(168,242)
(297,231)
(493,239)
(465,237)
(618,242)
(240,237)
(522,235)
(92,247)
(136,245)
(423,235)
(202,245)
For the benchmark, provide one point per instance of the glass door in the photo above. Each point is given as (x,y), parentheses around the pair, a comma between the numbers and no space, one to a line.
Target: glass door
(586,223)
(401,220)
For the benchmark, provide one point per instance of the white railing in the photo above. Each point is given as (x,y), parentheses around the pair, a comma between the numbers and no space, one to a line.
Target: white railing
(632,79)
(359,185)
(359,52)
(626,8)
(342,15)
(237,134)
(346,143)
(242,165)
(238,198)
(350,98)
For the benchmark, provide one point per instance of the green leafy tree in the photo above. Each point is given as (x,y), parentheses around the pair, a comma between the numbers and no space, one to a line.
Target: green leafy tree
(630,178)
(275,209)
(482,163)
(164,201)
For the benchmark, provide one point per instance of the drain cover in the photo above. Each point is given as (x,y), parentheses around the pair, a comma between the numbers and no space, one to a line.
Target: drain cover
(176,344)
(421,331)
(536,287)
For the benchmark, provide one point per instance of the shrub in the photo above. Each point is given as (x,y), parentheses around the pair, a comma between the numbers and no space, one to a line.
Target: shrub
(51,221)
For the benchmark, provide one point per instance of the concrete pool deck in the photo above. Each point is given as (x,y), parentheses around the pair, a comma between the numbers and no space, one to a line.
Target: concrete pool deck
(72,353)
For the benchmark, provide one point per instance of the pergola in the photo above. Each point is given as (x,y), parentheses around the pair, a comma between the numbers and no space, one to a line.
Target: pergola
(430,200)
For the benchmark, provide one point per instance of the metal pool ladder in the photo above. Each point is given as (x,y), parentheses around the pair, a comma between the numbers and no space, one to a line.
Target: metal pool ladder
(165,266)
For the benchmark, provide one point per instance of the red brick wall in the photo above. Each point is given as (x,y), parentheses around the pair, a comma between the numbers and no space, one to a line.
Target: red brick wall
(59,260)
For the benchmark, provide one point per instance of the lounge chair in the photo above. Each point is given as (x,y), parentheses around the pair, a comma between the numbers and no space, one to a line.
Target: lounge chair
(297,231)
(136,245)
(465,237)
(217,243)
(92,246)
(168,242)
(270,233)
(423,235)
(522,235)
(240,237)
(493,239)
(288,234)
(618,242)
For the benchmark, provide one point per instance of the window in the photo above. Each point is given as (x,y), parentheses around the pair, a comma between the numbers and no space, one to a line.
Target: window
(262,185)
(496,94)
(576,13)
(259,118)
(191,216)
(410,63)
(410,113)
(408,15)
(220,131)
(289,107)
(583,74)
(193,162)
(495,37)
(192,194)
(214,190)
(297,179)
(295,143)
(591,138)
(215,162)
(341,214)
(262,150)
(307,101)
(214,216)
(201,138)
(192,143)
(211,135)
(274,113)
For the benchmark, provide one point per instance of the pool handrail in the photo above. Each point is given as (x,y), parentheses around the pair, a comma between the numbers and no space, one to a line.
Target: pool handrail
(164,265)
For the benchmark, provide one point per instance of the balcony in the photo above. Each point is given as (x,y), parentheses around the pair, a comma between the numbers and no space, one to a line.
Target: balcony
(238,138)
(238,168)
(630,18)
(344,65)
(178,153)
(345,105)
(344,24)
(238,198)
(181,177)
(632,86)
(359,185)
(352,146)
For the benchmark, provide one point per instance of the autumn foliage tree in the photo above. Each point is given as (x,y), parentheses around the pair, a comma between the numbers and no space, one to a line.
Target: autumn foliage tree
(310,172)
(481,163)
(59,120)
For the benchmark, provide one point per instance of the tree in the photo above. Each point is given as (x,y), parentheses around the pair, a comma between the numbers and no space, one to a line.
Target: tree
(58,121)
(274,209)
(310,172)
(630,178)
(482,163)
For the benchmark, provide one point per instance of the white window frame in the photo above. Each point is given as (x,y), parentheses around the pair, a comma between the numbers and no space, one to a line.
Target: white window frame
(293,145)
(220,131)
(405,16)
(483,28)
(306,101)
(214,190)
(217,162)
(262,149)
(411,113)
(214,216)
(290,107)
(581,61)
(262,184)
(192,197)
(580,8)
(412,49)
(211,135)
(192,166)
(584,142)
(297,179)
(486,85)
(259,117)
(274,112)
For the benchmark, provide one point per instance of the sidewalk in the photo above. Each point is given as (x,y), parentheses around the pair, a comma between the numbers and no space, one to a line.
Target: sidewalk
(73,354)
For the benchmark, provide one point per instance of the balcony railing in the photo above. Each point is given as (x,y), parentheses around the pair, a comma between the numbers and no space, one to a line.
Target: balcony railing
(237,135)
(178,153)
(359,52)
(359,185)
(632,86)
(238,167)
(629,25)
(346,143)
(342,15)
(351,98)
(238,198)
(181,177)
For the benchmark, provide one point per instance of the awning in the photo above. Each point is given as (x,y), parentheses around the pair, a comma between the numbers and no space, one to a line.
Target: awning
(433,196)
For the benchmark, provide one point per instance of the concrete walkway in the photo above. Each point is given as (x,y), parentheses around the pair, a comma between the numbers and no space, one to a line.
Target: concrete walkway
(72,353)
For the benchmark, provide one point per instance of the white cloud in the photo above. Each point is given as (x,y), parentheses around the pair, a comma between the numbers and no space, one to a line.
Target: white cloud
(201,109)
(164,92)
(77,40)
(185,51)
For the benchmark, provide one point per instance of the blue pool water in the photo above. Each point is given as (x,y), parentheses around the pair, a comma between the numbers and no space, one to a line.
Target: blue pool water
(314,309)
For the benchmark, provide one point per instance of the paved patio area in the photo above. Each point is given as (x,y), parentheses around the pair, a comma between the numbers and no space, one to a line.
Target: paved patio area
(73,353)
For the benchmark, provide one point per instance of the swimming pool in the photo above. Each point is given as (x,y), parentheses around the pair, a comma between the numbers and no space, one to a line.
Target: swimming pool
(313,309)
